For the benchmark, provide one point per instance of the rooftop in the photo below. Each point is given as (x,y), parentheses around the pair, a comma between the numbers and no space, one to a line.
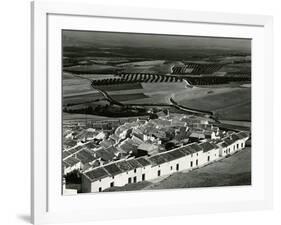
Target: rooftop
(143,161)
(97,174)
(207,146)
(71,161)
(157,160)
(112,169)
(124,166)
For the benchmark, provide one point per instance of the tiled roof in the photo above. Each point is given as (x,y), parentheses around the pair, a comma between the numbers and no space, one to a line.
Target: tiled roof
(176,154)
(157,160)
(124,166)
(65,154)
(168,157)
(207,146)
(143,161)
(196,147)
(105,155)
(97,174)
(243,134)
(71,161)
(134,163)
(112,169)
(228,141)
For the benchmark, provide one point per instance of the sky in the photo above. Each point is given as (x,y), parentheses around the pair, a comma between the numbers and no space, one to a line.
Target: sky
(115,40)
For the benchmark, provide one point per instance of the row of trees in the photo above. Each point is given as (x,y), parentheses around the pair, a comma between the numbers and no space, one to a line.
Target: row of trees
(216,80)
(154,78)
(197,68)
(133,78)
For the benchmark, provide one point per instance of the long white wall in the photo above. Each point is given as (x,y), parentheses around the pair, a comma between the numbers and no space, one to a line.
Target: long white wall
(198,159)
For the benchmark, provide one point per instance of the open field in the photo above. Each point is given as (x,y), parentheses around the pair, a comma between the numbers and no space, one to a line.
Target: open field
(227,103)
(231,171)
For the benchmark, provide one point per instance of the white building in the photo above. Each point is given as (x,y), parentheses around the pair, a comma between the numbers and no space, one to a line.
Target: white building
(70,164)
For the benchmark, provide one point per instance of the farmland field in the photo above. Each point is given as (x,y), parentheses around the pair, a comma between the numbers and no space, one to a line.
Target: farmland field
(227,103)
(122,98)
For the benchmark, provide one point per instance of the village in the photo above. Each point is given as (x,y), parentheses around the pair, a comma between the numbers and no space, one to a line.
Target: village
(122,151)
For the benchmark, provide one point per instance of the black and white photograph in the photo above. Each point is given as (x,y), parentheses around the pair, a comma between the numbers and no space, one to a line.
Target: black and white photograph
(154,111)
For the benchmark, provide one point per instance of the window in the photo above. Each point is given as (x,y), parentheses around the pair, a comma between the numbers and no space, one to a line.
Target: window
(143,177)
(241,145)
(171,168)
(191,164)
(208,158)
(177,167)
(100,189)
(197,154)
(237,146)
(129,180)
(135,179)
(111,184)
(196,162)
(159,173)
(135,170)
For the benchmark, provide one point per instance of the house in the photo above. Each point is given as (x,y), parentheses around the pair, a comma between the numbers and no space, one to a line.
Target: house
(129,172)
(105,155)
(147,149)
(195,156)
(211,151)
(145,168)
(95,180)
(222,148)
(243,136)
(135,175)
(177,160)
(71,164)
(129,146)
(85,156)
(159,166)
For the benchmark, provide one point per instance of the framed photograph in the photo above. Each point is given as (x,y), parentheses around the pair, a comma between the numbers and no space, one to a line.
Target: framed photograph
(141,112)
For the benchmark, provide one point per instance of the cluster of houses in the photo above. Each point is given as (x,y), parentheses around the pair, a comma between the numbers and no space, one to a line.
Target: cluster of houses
(139,149)
(145,168)
(86,148)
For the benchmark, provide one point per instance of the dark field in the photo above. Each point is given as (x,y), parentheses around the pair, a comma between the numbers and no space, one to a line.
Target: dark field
(129,97)
(120,87)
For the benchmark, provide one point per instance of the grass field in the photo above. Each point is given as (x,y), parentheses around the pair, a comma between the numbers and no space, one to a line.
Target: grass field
(231,171)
